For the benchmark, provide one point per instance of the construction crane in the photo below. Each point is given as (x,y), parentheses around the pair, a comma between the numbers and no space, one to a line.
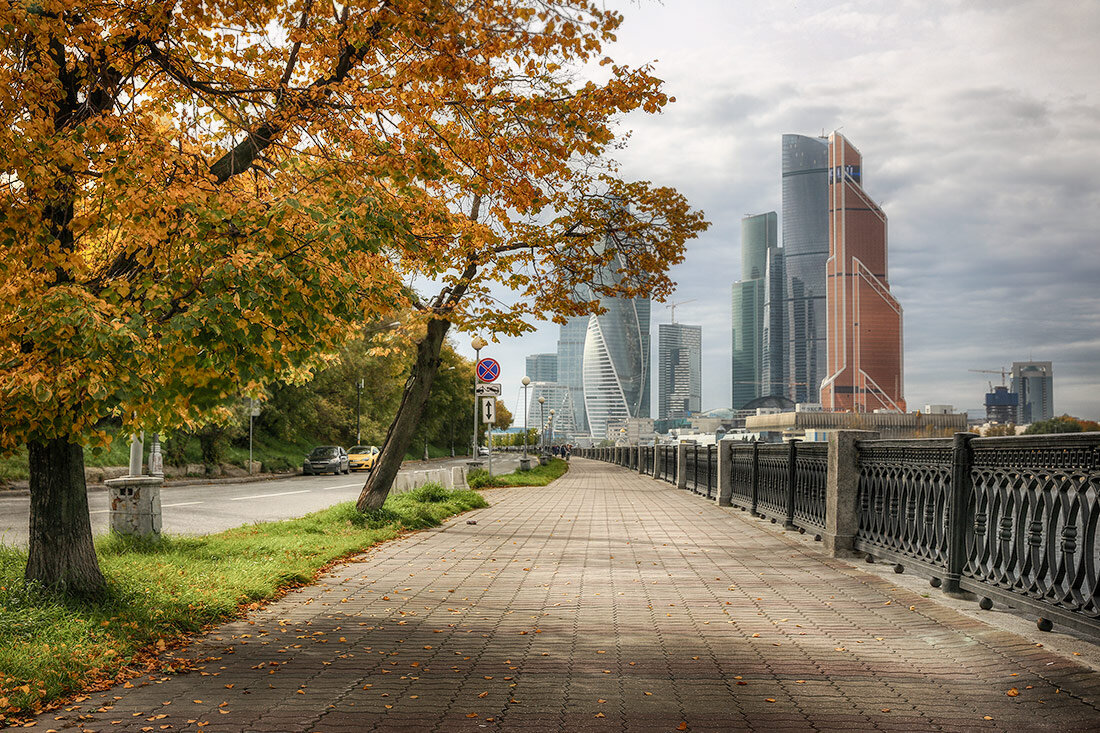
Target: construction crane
(672,306)
(1002,371)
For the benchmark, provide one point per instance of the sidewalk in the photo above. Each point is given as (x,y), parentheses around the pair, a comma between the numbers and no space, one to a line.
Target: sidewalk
(604,602)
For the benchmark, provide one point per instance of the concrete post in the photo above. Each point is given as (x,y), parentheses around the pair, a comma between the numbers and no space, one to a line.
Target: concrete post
(641,458)
(682,462)
(958,515)
(725,471)
(841,491)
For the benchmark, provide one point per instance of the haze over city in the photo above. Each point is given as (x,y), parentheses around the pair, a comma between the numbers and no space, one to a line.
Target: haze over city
(978,133)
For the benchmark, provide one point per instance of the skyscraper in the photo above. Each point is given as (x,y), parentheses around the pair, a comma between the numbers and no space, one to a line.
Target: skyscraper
(801,305)
(616,367)
(758,243)
(679,370)
(1033,381)
(865,367)
(542,367)
(571,366)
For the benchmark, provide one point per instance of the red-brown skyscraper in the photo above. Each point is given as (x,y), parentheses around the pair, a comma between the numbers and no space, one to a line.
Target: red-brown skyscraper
(865,369)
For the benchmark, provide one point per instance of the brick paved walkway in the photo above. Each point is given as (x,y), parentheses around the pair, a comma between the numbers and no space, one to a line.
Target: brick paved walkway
(605,602)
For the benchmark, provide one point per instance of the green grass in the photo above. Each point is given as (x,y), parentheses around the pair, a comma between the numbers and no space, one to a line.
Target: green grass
(164,590)
(537,476)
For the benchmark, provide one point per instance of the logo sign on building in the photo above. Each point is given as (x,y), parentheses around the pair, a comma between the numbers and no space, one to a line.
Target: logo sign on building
(488,410)
(487,390)
(488,370)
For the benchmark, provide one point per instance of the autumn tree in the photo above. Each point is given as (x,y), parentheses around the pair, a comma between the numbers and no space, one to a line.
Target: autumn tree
(199,197)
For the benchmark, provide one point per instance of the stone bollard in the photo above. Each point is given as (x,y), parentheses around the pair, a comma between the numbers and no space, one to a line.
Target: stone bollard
(458,477)
(725,471)
(841,492)
(135,505)
(681,463)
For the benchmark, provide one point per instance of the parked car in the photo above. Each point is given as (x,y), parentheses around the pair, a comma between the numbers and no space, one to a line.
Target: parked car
(482,450)
(326,459)
(363,457)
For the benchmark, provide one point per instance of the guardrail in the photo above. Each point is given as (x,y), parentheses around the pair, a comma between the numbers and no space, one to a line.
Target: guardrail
(1011,520)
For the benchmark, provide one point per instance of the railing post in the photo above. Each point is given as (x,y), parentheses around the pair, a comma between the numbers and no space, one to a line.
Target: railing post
(681,463)
(842,492)
(725,472)
(641,458)
(755,478)
(792,481)
(958,518)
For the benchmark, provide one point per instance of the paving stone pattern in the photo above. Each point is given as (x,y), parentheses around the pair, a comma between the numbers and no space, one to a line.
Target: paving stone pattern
(605,602)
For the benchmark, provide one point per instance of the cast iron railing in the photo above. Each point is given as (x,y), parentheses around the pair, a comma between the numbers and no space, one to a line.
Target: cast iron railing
(811,465)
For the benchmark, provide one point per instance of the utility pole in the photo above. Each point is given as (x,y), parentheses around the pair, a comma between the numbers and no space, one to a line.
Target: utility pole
(358,411)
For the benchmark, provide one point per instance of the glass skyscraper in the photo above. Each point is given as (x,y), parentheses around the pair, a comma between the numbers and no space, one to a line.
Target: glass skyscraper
(679,370)
(1033,381)
(571,366)
(758,244)
(865,362)
(805,250)
(542,367)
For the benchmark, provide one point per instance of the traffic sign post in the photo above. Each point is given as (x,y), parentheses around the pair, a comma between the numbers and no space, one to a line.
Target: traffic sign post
(488,410)
(488,370)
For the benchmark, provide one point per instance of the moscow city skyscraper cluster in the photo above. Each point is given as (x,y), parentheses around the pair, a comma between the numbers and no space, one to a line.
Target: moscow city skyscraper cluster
(813,317)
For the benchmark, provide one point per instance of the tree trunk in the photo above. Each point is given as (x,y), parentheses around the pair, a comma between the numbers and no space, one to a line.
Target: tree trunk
(400,434)
(61,556)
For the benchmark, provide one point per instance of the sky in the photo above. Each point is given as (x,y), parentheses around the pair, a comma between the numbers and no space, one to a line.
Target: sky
(978,123)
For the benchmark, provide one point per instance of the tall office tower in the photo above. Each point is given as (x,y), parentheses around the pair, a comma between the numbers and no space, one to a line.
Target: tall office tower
(773,351)
(758,242)
(556,397)
(542,367)
(571,366)
(679,370)
(805,249)
(1033,381)
(865,367)
(616,360)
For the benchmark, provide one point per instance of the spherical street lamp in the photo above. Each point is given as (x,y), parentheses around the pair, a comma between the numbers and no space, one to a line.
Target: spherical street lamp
(542,422)
(525,381)
(477,344)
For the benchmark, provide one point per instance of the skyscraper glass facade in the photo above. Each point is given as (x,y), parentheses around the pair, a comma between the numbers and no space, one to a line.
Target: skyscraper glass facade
(616,363)
(571,366)
(1033,381)
(679,370)
(865,347)
(542,367)
(805,249)
(758,244)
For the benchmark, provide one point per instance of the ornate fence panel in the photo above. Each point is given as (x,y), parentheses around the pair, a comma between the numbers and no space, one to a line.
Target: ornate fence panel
(668,463)
(691,467)
(741,475)
(811,465)
(1035,509)
(712,471)
(904,500)
(772,479)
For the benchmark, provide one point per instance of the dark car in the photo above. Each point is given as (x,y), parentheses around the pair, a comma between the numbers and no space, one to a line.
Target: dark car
(326,459)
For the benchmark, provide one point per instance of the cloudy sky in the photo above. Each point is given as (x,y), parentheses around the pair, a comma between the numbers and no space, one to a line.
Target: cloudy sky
(979,125)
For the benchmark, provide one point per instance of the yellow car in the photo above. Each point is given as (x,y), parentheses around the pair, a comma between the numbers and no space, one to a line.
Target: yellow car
(362,457)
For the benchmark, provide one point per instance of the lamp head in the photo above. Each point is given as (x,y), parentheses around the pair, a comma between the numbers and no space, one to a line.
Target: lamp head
(526,381)
(541,400)
(478,343)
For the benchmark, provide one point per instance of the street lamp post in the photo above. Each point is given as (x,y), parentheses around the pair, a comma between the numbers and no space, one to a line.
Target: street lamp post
(526,381)
(477,344)
(358,411)
(542,423)
(550,447)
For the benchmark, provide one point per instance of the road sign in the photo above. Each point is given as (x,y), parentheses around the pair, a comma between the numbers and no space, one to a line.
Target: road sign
(488,410)
(488,370)
(486,390)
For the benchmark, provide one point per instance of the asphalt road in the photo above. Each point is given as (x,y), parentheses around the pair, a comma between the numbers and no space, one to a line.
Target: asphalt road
(205,508)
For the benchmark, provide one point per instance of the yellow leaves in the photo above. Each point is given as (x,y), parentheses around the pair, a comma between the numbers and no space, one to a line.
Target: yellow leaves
(1013,692)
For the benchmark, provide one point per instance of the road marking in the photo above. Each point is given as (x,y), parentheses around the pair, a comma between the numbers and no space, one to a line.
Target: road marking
(341,486)
(182,503)
(99,511)
(264,496)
